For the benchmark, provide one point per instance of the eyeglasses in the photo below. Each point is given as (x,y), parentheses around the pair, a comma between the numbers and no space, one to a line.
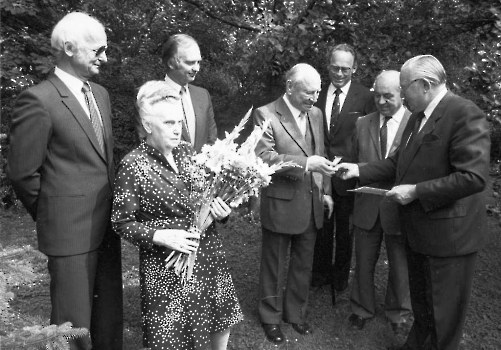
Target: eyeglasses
(335,69)
(99,51)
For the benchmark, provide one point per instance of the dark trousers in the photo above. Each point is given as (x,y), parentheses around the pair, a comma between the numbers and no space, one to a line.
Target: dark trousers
(340,222)
(440,293)
(274,304)
(367,249)
(86,290)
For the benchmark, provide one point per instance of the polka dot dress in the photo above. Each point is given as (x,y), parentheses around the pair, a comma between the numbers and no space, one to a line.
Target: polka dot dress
(150,195)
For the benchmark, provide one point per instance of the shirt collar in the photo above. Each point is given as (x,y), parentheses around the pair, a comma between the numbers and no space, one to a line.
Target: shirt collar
(173,84)
(397,116)
(434,103)
(295,112)
(344,89)
(69,80)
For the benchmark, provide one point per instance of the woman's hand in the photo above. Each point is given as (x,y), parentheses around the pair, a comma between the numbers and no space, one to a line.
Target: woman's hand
(219,209)
(179,240)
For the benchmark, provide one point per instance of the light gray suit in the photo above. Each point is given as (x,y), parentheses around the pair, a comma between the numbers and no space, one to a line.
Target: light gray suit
(205,124)
(375,217)
(291,212)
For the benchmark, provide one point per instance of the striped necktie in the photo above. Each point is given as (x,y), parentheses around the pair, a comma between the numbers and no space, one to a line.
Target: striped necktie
(94,115)
(383,136)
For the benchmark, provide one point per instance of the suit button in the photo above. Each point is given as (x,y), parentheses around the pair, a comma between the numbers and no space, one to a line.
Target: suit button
(311,191)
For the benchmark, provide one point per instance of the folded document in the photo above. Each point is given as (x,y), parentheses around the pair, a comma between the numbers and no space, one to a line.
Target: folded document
(371,190)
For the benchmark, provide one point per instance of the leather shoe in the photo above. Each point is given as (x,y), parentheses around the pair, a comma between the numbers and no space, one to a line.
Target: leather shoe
(398,328)
(356,322)
(303,329)
(341,286)
(273,333)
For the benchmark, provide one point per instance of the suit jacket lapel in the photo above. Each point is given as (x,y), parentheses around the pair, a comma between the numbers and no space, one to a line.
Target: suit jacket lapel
(350,99)
(102,104)
(77,111)
(290,125)
(398,135)
(374,132)
(199,113)
(409,152)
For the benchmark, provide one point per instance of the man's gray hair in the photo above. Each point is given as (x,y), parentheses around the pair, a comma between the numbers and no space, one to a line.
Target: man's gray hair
(299,72)
(426,67)
(75,27)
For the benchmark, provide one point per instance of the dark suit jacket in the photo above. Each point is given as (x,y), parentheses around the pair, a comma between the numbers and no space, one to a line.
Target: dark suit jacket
(57,168)
(359,102)
(205,124)
(367,148)
(293,195)
(449,163)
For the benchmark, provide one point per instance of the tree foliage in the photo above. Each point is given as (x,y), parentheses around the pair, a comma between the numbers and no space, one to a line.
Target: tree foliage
(247,45)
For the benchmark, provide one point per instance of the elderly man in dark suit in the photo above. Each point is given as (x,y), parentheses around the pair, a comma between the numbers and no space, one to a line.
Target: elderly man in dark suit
(342,103)
(292,206)
(61,167)
(374,217)
(440,171)
(181,57)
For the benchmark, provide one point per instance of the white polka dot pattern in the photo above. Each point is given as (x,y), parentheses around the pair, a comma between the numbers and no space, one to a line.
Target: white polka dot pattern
(150,195)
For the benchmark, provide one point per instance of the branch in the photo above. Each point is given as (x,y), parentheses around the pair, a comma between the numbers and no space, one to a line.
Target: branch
(210,14)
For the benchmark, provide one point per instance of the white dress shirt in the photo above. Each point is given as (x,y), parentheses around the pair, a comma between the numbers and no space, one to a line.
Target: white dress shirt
(392,127)
(75,85)
(431,107)
(187,106)
(296,113)
(329,101)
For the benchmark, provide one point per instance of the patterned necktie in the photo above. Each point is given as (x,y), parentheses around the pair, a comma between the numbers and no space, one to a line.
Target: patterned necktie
(94,115)
(383,136)
(189,118)
(336,110)
(417,125)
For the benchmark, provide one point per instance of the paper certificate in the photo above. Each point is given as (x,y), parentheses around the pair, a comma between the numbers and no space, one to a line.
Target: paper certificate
(371,190)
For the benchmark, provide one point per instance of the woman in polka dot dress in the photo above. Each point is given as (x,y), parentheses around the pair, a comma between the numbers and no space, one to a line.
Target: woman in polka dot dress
(151,209)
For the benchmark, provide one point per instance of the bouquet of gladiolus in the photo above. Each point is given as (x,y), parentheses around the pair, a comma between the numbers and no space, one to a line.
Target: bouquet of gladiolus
(227,171)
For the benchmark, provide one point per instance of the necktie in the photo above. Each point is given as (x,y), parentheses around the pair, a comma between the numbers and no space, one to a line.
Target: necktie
(94,115)
(189,117)
(417,124)
(302,123)
(383,136)
(336,110)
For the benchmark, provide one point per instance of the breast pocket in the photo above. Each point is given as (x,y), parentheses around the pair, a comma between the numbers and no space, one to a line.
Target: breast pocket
(431,141)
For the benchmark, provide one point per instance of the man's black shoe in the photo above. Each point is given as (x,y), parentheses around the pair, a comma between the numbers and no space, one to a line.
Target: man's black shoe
(356,322)
(303,329)
(340,286)
(273,333)
(398,328)
(333,295)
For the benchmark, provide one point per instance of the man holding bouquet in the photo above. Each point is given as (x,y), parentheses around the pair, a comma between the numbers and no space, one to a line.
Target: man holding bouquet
(292,206)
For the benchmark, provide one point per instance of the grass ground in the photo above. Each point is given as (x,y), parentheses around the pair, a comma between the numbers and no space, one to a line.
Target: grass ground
(28,281)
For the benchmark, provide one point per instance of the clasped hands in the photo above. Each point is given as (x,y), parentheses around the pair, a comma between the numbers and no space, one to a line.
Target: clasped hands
(184,241)
(402,194)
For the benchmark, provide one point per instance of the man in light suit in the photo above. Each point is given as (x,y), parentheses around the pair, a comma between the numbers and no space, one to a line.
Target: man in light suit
(181,57)
(60,164)
(340,114)
(440,171)
(292,206)
(374,217)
